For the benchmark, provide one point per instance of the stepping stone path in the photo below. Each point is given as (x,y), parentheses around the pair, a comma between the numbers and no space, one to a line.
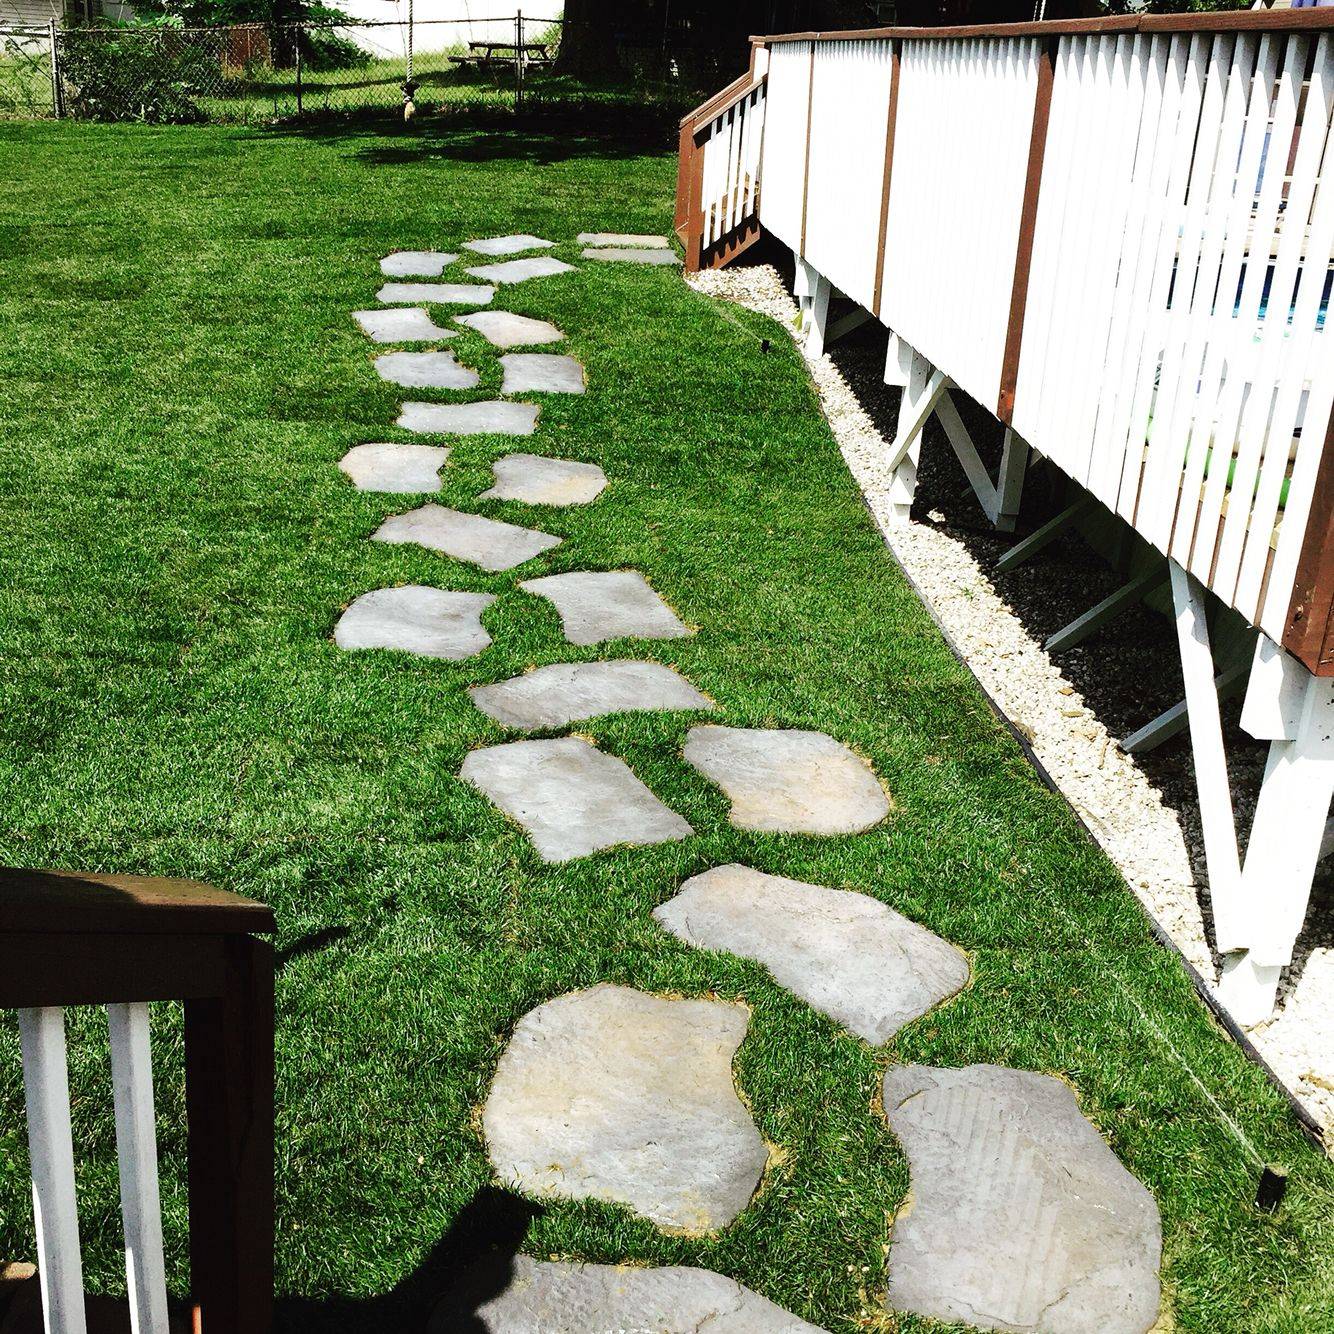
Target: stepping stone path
(541,481)
(788,782)
(617,604)
(547,1296)
(415,263)
(398,468)
(1021,1217)
(572,799)
(493,545)
(488,418)
(429,622)
(570,692)
(845,954)
(409,325)
(520,270)
(508,245)
(425,370)
(503,329)
(460,294)
(611,1094)
(541,372)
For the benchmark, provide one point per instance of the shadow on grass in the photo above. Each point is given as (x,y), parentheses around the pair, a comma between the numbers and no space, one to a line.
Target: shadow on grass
(472,1263)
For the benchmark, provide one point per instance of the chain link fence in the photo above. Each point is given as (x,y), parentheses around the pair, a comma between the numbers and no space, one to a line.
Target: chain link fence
(261,73)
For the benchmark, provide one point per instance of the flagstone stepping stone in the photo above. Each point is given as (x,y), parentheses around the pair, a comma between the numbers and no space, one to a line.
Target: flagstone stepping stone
(1021,1217)
(623,239)
(491,417)
(549,1295)
(788,782)
(493,545)
(615,604)
(415,263)
(569,692)
(502,328)
(508,245)
(462,294)
(425,370)
(520,270)
(541,481)
(541,372)
(399,468)
(571,798)
(405,325)
(429,622)
(845,954)
(626,256)
(613,1094)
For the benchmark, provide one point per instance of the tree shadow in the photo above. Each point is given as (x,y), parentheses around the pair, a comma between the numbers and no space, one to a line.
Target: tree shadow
(472,1263)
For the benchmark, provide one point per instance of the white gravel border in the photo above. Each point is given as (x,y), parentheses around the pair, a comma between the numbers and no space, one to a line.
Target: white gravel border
(1126,814)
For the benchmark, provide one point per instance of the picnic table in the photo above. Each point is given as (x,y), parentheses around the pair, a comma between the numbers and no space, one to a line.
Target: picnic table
(484,54)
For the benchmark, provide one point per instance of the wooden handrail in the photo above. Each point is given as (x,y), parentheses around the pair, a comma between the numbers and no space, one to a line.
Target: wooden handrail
(722,101)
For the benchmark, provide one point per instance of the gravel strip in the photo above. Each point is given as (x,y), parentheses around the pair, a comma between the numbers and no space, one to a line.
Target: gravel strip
(1141,810)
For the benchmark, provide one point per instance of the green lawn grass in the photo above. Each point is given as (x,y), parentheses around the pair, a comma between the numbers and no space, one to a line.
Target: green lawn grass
(181,376)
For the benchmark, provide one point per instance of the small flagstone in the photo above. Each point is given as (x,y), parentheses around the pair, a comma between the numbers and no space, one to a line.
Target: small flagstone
(845,954)
(569,692)
(415,263)
(613,1094)
(615,604)
(461,294)
(406,325)
(397,468)
(493,545)
(627,256)
(520,270)
(541,481)
(1021,1217)
(508,245)
(502,328)
(623,239)
(430,622)
(791,782)
(571,798)
(545,1296)
(541,372)
(490,417)
(425,370)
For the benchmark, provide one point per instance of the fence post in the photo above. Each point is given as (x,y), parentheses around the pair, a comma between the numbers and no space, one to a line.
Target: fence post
(518,62)
(57,101)
(300,35)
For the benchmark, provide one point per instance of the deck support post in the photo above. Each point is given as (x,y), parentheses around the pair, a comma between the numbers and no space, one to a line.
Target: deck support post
(817,315)
(803,281)
(925,389)
(999,499)
(1010,483)
(894,364)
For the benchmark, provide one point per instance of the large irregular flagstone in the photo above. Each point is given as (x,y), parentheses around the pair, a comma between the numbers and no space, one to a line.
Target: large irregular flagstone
(626,256)
(430,622)
(541,481)
(520,270)
(410,324)
(571,798)
(399,468)
(502,328)
(546,1296)
(508,245)
(791,782)
(487,418)
(612,1094)
(569,692)
(415,263)
(845,954)
(425,370)
(612,604)
(461,294)
(493,545)
(1020,1217)
(541,372)
(623,240)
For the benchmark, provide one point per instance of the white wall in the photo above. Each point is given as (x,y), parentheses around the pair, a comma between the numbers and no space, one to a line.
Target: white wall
(476,21)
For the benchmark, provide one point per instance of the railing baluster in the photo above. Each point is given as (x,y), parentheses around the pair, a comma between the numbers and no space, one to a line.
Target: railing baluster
(51,1145)
(136,1148)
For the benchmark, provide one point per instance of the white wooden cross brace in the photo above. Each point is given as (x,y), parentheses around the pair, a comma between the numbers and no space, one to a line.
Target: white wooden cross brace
(914,411)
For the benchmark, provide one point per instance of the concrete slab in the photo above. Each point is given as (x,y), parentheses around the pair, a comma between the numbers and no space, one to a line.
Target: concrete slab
(502,328)
(458,294)
(487,418)
(508,245)
(536,480)
(415,263)
(520,270)
(541,372)
(425,370)
(404,469)
(409,325)
(428,622)
(493,545)
(613,604)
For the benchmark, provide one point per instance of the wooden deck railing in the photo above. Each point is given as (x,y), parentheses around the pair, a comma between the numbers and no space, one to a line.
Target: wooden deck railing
(124,942)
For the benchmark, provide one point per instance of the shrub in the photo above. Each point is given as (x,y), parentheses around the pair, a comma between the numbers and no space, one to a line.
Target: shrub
(149,74)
